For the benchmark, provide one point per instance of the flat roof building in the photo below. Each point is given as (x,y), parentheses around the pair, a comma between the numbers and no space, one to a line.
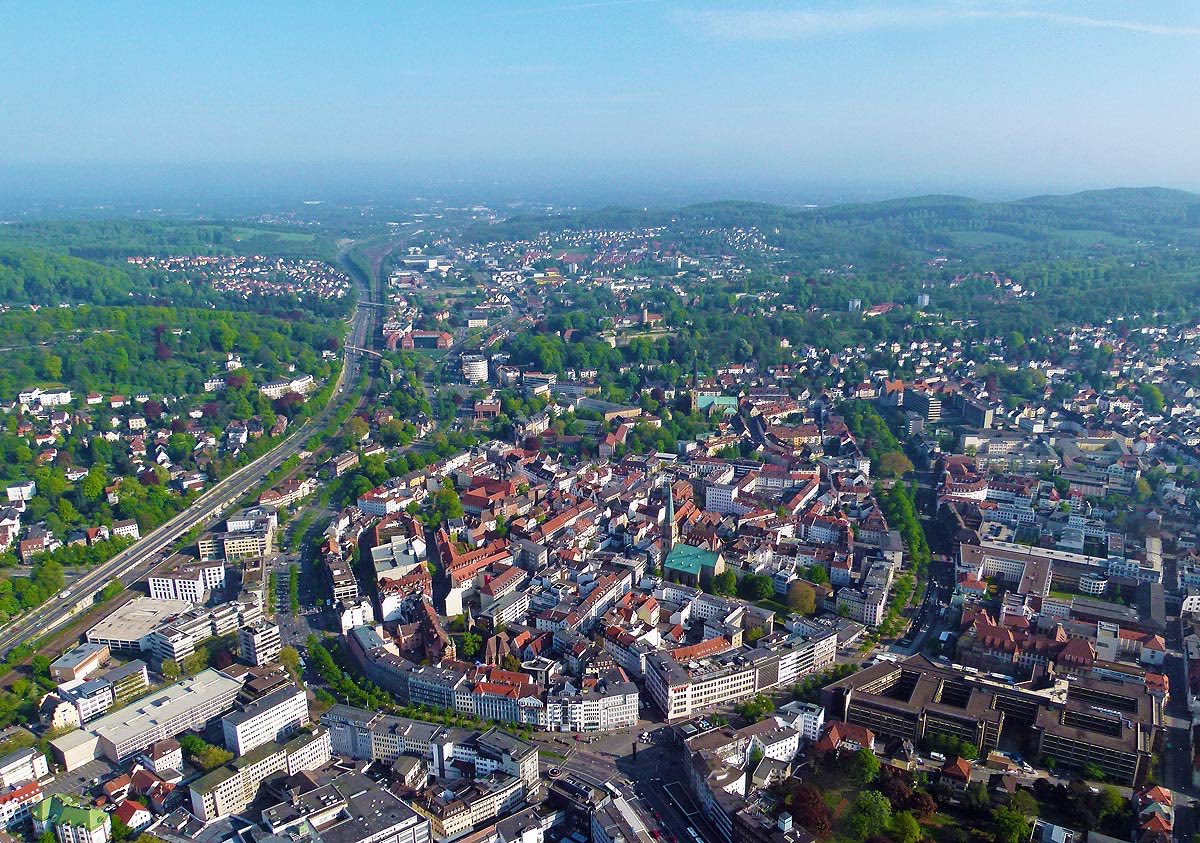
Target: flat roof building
(189,704)
(128,629)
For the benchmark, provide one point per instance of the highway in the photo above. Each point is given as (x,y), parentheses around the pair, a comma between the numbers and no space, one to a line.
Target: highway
(135,561)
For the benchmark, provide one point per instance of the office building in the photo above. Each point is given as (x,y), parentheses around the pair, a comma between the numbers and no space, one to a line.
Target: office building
(273,717)
(1079,722)
(189,704)
(229,789)
(79,662)
(193,583)
(681,690)
(128,629)
(259,643)
(350,809)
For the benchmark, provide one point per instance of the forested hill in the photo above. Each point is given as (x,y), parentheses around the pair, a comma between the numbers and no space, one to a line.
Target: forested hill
(920,223)
(116,239)
(52,262)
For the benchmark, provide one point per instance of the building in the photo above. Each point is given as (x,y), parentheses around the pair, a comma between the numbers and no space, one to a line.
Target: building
(475,368)
(349,809)
(689,565)
(193,583)
(272,717)
(681,690)
(128,629)
(229,789)
(79,662)
(16,804)
(1078,722)
(70,821)
(259,643)
(189,704)
(24,765)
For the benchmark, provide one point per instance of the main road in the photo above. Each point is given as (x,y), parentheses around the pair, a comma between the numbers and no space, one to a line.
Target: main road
(135,561)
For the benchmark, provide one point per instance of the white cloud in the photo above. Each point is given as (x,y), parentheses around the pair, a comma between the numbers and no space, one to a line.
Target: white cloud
(792,24)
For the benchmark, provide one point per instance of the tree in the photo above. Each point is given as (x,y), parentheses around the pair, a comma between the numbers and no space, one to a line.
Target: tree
(1092,772)
(196,662)
(170,670)
(469,645)
(975,798)
(1110,803)
(725,583)
(191,744)
(120,831)
(869,812)
(921,805)
(864,766)
(1141,490)
(212,757)
(905,828)
(756,587)
(805,803)
(755,708)
(1024,804)
(817,574)
(1152,399)
(290,659)
(894,464)
(801,598)
(1009,826)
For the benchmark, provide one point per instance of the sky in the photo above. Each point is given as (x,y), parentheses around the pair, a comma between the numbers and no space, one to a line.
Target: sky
(739,98)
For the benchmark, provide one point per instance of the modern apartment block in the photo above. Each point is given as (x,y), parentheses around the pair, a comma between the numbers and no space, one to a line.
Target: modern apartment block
(272,717)
(1078,722)
(193,583)
(259,643)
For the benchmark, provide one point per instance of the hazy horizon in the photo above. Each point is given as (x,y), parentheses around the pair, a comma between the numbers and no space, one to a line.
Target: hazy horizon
(595,101)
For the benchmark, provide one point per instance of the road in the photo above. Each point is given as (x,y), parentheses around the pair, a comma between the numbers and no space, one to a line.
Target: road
(132,563)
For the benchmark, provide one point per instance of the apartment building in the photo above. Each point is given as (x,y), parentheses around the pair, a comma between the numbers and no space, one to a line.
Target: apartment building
(259,643)
(21,766)
(70,821)
(193,583)
(229,789)
(272,717)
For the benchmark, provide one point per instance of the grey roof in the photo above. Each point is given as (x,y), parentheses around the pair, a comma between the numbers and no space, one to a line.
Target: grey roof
(256,707)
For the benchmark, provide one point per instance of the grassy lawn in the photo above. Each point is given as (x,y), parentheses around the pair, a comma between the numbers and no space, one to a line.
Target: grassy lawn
(286,236)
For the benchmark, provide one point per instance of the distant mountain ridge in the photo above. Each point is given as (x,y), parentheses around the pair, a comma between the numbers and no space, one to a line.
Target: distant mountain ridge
(1123,212)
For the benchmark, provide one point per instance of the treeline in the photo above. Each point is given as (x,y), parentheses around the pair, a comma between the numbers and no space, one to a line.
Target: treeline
(876,440)
(901,514)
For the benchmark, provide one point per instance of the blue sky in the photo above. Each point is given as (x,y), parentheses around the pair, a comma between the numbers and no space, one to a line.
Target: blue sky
(975,96)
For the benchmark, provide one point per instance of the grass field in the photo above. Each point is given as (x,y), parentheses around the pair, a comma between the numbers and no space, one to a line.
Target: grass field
(285,236)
